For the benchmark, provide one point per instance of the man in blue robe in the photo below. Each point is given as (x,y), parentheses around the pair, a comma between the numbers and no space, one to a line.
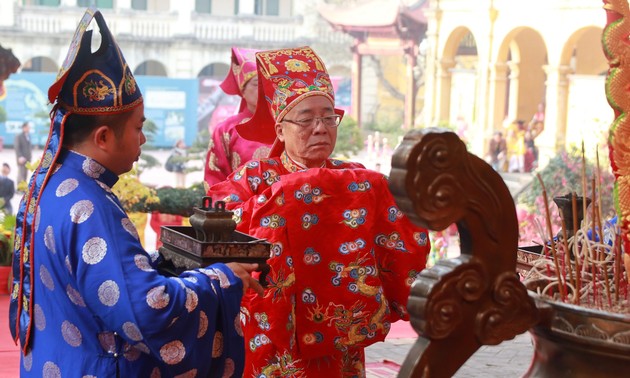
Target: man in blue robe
(86,300)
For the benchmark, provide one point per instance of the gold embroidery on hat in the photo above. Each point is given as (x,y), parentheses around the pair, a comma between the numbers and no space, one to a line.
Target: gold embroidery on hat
(130,83)
(96,91)
(296,65)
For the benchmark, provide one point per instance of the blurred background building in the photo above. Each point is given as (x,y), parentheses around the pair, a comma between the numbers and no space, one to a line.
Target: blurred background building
(494,61)
(178,49)
(472,66)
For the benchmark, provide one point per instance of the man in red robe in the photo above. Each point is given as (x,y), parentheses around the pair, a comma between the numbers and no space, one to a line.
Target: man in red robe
(227,150)
(343,255)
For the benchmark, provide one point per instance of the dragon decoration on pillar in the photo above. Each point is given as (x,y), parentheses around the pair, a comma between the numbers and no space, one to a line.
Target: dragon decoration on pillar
(617,50)
(9,64)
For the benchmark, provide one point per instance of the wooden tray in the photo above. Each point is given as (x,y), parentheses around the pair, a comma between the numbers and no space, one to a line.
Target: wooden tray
(182,249)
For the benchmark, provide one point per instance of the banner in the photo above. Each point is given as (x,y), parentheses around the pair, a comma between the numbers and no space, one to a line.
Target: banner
(171,104)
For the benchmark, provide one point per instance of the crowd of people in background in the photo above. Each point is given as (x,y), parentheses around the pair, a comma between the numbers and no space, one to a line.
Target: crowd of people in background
(514,149)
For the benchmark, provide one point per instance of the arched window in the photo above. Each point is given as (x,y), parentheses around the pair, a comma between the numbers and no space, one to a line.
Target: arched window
(40,64)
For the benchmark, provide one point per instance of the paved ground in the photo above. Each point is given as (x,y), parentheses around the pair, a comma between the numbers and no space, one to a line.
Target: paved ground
(509,359)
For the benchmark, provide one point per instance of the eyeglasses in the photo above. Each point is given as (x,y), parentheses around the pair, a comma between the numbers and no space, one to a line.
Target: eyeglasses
(328,121)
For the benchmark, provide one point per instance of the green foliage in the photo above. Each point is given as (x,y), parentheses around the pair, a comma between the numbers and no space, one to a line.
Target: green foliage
(149,128)
(5,250)
(349,138)
(132,193)
(177,201)
(6,240)
(146,160)
(196,154)
(3,114)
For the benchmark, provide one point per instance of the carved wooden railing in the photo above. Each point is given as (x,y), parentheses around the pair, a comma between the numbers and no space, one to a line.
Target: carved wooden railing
(475,299)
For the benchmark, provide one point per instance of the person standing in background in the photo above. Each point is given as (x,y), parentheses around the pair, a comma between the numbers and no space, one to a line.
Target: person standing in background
(179,150)
(227,150)
(7,189)
(537,124)
(515,146)
(497,152)
(23,151)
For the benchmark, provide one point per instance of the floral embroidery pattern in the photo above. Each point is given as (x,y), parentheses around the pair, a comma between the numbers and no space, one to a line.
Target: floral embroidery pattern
(391,241)
(130,83)
(96,91)
(309,220)
(355,217)
(270,176)
(311,257)
(393,213)
(309,195)
(359,186)
(254,181)
(273,221)
(295,65)
(351,246)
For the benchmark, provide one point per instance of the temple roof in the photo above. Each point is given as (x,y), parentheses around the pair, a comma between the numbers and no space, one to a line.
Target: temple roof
(377,18)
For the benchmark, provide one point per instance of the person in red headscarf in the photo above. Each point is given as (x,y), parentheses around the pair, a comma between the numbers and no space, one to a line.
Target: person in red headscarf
(227,150)
(343,255)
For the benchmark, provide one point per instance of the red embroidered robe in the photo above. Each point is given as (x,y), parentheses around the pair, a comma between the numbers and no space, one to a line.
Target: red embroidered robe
(227,150)
(343,259)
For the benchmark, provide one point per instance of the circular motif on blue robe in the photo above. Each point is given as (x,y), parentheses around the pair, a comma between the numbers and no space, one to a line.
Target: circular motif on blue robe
(173,353)
(108,293)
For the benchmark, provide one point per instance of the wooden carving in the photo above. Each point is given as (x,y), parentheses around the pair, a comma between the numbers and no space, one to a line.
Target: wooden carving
(475,299)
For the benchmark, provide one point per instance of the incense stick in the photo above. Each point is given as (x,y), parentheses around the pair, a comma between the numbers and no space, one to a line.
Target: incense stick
(552,243)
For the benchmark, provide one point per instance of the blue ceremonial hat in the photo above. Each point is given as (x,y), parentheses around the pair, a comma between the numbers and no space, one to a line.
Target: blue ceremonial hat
(88,83)
(95,83)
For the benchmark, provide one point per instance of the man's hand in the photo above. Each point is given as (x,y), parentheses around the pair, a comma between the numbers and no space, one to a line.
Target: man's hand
(243,272)
(22,160)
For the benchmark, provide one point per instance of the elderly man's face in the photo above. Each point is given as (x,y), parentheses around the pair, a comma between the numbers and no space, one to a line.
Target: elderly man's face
(308,145)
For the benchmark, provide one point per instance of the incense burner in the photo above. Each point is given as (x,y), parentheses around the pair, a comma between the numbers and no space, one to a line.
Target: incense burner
(212,224)
(211,239)
(576,336)
(576,341)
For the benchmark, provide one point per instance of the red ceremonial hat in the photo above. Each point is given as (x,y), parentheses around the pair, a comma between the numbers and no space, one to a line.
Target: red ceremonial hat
(285,77)
(242,68)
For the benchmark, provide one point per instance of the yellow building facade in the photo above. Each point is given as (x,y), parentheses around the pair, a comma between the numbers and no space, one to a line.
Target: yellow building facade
(494,61)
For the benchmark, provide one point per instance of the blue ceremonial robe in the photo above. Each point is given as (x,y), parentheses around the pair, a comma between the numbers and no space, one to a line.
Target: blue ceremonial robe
(100,307)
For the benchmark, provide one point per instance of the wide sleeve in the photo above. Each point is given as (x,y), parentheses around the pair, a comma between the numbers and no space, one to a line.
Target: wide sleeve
(186,322)
(401,249)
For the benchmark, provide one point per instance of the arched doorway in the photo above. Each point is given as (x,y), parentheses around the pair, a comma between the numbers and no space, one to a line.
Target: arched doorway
(520,77)
(588,115)
(458,76)
(150,68)
(40,64)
